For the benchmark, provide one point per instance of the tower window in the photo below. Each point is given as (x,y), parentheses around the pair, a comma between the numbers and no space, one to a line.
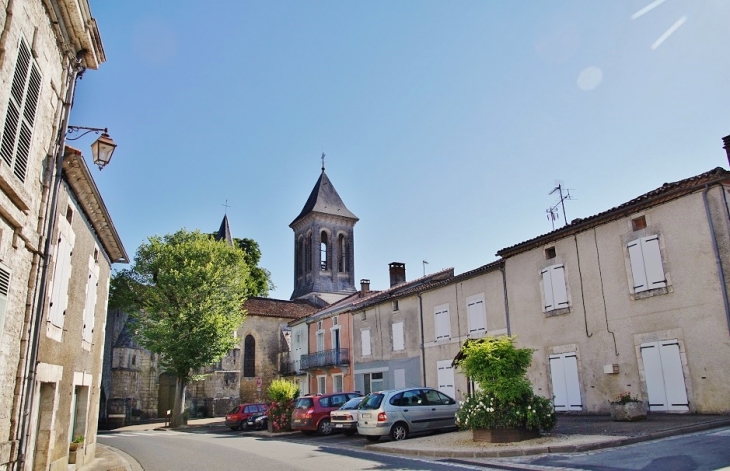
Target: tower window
(249,357)
(308,254)
(342,245)
(323,251)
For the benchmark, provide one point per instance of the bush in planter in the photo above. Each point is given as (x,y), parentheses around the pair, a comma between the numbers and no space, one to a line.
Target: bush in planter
(282,393)
(505,399)
(626,408)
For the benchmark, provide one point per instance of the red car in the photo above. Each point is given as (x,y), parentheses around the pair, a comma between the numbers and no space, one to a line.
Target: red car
(238,416)
(312,413)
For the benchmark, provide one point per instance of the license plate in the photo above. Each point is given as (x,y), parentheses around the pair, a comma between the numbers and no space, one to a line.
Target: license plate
(338,426)
(367,416)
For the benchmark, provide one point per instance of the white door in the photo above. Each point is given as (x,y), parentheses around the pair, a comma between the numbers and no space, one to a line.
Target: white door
(664,376)
(446,378)
(399,378)
(566,387)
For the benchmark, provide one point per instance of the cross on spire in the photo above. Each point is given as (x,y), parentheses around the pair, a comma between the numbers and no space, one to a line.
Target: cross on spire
(226,206)
(323,155)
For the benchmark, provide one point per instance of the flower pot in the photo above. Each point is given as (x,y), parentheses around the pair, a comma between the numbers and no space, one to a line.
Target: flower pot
(504,435)
(628,411)
(75,446)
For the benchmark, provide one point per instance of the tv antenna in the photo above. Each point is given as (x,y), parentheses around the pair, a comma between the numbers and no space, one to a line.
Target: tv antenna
(552,211)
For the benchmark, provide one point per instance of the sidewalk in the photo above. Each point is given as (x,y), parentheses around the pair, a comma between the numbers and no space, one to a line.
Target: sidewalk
(573,433)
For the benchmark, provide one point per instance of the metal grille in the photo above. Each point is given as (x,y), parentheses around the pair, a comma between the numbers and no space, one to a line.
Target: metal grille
(4,282)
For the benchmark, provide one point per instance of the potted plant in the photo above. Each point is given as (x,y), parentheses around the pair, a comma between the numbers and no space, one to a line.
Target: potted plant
(76,443)
(627,408)
(505,408)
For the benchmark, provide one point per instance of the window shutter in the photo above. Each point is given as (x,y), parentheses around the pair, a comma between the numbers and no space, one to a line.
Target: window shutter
(443,324)
(445,377)
(476,318)
(637,266)
(365,338)
(653,263)
(4,290)
(399,378)
(59,291)
(91,289)
(398,341)
(557,374)
(547,288)
(560,293)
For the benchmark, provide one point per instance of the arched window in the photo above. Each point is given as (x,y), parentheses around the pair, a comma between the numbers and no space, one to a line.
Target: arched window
(299,256)
(249,357)
(308,254)
(323,251)
(342,246)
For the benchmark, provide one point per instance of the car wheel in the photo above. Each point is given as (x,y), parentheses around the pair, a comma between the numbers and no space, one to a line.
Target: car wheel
(372,438)
(399,432)
(324,427)
(243,425)
(349,433)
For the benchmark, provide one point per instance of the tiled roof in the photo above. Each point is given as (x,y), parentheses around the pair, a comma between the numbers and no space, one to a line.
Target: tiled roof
(268,307)
(324,199)
(664,193)
(419,284)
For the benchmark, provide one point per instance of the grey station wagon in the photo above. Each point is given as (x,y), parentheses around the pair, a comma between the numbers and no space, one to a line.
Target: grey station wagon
(401,412)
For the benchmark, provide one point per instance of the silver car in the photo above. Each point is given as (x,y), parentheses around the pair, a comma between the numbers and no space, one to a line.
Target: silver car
(401,412)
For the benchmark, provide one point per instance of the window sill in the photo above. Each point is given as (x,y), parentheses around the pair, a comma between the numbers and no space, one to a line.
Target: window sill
(650,293)
(558,312)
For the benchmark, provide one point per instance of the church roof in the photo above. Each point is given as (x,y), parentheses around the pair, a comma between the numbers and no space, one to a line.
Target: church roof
(268,307)
(224,233)
(324,199)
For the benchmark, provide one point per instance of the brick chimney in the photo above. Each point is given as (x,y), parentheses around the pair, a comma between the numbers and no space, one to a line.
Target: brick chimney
(364,286)
(397,273)
(726,146)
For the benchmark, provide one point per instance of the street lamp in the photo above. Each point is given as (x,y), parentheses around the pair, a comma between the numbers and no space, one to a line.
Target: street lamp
(102,149)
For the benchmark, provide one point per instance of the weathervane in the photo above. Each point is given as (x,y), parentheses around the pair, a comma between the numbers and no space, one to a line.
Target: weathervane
(323,154)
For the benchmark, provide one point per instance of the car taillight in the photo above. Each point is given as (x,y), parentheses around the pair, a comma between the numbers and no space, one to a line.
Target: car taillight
(310,412)
(382,417)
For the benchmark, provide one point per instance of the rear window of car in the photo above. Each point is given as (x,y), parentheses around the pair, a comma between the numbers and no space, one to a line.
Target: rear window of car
(351,404)
(234,410)
(304,403)
(372,401)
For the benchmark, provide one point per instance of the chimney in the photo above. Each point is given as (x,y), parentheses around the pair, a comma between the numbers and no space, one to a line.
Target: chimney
(726,146)
(364,286)
(397,273)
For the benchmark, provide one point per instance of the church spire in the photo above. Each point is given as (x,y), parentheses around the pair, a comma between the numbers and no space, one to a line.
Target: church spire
(224,233)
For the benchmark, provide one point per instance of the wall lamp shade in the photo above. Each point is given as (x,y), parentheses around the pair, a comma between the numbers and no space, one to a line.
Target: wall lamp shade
(102,150)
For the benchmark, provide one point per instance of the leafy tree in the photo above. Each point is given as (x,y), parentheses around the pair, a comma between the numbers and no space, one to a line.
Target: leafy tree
(260,282)
(184,292)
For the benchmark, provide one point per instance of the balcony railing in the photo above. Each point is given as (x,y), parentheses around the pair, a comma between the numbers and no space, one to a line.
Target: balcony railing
(334,357)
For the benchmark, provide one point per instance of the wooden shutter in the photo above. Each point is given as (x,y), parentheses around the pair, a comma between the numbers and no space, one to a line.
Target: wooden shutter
(92,285)
(61,275)
(566,386)
(476,317)
(560,293)
(664,376)
(443,323)
(547,289)
(398,341)
(365,339)
(653,262)
(4,290)
(637,266)
(445,376)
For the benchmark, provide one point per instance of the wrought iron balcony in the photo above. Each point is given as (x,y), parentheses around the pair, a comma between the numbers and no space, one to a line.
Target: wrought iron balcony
(324,358)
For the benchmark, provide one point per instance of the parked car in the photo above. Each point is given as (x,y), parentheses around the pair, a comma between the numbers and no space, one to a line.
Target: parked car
(312,413)
(258,421)
(345,418)
(237,417)
(402,412)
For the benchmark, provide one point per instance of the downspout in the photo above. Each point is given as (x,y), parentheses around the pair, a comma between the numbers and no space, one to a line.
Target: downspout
(503,269)
(423,345)
(78,70)
(718,260)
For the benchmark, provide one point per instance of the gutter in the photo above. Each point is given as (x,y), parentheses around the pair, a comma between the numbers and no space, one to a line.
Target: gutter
(718,259)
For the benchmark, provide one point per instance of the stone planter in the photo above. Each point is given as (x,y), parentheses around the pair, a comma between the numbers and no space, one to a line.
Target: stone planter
(504,435)
(628,412)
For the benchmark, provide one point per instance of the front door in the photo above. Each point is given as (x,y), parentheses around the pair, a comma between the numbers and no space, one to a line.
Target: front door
(566,388)
(664,376)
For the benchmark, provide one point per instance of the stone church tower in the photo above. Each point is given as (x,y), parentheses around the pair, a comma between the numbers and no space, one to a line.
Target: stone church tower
(324,254)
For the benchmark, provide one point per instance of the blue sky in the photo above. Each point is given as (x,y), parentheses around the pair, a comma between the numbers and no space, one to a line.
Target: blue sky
(445,124)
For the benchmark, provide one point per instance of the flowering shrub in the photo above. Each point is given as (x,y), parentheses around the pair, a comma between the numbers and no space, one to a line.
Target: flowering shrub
(282,393)
(482,410)
(624,398)
(506,399)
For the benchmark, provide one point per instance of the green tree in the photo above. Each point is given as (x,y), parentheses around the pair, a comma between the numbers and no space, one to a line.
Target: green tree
(259,281)
(184,291)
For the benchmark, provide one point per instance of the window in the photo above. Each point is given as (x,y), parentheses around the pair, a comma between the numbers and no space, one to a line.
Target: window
(476,315)
(320,340)
(323,251)
(22,105)
(395,305)
(550,253)
(322,385)
(335,320)
(553,284)
(4,290)
(442,321)
(61,275)
(308,254)
(69,214)
(365,338)
(300,256)
(337,383)
(373,382)
(92,284)
(646,264)
(638,223)
(249,357)
(398,340)
(342,245)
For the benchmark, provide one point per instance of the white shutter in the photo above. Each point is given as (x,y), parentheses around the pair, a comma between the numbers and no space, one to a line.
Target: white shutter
(654,377)
(547,289)
(399,378)
(4,290)
(445,376)
(442,321)
(572,386)
(560,294)
(566,386)
(365,338)
(61,275)
(557,374)
(653,262)
(398,341)
(664,376)
(637,266)
(476,317)
(91,289)
(320,341)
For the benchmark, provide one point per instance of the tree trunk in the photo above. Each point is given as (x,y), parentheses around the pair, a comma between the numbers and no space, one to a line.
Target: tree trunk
(179,404)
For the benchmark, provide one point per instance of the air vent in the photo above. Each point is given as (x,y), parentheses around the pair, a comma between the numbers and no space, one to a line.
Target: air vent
(4,281)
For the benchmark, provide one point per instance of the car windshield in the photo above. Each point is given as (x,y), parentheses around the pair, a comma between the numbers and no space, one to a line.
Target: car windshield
(351,404)
(372,401)
(304,403)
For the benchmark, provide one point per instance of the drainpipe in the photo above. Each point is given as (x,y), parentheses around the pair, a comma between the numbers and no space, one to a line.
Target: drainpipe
(503,269)
(718,260)
(423,346)
(78,70)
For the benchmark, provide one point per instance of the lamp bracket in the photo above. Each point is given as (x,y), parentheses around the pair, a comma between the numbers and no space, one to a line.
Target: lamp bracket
(74,129)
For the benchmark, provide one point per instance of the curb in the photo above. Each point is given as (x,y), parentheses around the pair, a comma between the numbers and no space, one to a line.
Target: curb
(539,450)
